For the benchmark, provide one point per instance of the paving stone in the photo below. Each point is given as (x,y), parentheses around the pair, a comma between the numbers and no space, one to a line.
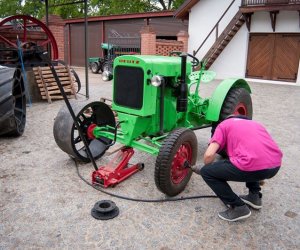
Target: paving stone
(44,204)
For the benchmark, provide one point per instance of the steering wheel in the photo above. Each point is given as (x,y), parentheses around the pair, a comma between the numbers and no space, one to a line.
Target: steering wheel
(195,61)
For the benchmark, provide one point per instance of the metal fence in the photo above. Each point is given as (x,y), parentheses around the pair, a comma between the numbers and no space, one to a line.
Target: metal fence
(268,2)
(125,45)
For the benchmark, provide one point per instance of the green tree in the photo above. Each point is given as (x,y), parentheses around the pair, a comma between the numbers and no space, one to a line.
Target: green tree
(36,8)
(167,5)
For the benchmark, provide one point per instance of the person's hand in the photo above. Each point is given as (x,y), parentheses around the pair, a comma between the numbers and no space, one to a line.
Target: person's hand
(210,153)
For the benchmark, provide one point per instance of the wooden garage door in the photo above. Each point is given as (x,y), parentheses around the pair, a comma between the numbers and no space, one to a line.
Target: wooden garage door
(273,56)
(77,42)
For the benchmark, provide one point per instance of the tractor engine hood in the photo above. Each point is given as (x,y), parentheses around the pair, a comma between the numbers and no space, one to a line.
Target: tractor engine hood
(167,66)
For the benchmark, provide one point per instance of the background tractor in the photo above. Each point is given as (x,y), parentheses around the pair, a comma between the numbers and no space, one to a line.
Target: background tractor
(105,63)
(158,107)
(110,52)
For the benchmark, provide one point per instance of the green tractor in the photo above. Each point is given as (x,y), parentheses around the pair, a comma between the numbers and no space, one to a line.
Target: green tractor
(155,108)
(99,64)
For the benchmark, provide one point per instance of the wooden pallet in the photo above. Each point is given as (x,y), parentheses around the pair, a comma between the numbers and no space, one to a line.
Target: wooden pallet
(48,86)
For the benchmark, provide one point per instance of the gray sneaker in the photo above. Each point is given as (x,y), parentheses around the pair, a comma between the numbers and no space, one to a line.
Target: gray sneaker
(235,213)
(253,200)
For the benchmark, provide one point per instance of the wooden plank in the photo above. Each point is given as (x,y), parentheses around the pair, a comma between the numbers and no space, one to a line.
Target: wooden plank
(52,87)
(53,79)
(50,72)
(53,84)
(55,67)
(48,85)
(63,74)
(50,92)
(58,97)
(48,68)
(45,87)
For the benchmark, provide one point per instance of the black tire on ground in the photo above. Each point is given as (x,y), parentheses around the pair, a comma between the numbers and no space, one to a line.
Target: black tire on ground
(19,105)
(171,174)
(66,134)
(95,67)
(77,80)
(238,101)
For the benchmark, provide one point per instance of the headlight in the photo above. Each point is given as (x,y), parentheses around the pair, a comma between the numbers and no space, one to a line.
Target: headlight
(106,76)
(156,80)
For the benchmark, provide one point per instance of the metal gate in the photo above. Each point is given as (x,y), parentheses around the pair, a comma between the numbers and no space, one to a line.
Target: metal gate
(119,45)
(124,44)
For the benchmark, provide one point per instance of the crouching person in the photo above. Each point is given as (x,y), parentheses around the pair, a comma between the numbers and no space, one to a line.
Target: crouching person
(252,157)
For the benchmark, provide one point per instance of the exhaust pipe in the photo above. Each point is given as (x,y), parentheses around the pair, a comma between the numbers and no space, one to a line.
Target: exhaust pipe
(182,99)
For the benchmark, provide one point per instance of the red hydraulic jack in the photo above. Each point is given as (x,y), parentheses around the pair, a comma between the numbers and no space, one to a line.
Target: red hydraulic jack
(117,169)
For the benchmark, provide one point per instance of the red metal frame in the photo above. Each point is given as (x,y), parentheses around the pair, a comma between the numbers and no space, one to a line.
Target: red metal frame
(26,18)
(116,170)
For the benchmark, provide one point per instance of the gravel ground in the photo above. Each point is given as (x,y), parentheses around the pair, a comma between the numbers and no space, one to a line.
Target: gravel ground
(44,204)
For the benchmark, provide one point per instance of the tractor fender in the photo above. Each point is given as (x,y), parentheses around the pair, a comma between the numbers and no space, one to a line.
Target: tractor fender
(219,95)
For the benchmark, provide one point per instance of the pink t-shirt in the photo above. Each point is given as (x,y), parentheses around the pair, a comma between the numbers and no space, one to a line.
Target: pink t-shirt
(248,144)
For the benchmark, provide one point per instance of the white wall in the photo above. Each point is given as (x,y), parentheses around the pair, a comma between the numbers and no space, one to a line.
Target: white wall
(232,61)
(287,21)
(203,16)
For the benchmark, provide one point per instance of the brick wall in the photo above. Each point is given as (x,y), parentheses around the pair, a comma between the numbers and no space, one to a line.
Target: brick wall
(58,34)
(56,26)
(152,46)
(164,47)
(148,41)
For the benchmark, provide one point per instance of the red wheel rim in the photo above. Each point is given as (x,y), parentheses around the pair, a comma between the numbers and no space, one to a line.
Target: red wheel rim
(178,170)
(50,38)
(90,131)
(240,109)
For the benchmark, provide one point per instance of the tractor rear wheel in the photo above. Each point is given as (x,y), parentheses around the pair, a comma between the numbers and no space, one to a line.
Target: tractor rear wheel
(178,150)
(88,115)
(237,102)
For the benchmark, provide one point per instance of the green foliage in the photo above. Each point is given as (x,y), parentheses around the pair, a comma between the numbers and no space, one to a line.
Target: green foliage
(111,7)
(16,7)
(36,8)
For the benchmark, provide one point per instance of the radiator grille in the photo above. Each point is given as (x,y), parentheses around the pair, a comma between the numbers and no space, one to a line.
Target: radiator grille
(128,87)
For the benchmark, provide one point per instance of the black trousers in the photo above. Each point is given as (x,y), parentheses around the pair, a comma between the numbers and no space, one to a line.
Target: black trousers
(218,173)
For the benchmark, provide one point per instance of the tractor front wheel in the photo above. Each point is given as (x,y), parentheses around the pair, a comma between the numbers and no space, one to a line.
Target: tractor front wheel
(95,67)
(178,151)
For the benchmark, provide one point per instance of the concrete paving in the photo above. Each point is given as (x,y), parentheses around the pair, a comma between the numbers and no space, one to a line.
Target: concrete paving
(44,204)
